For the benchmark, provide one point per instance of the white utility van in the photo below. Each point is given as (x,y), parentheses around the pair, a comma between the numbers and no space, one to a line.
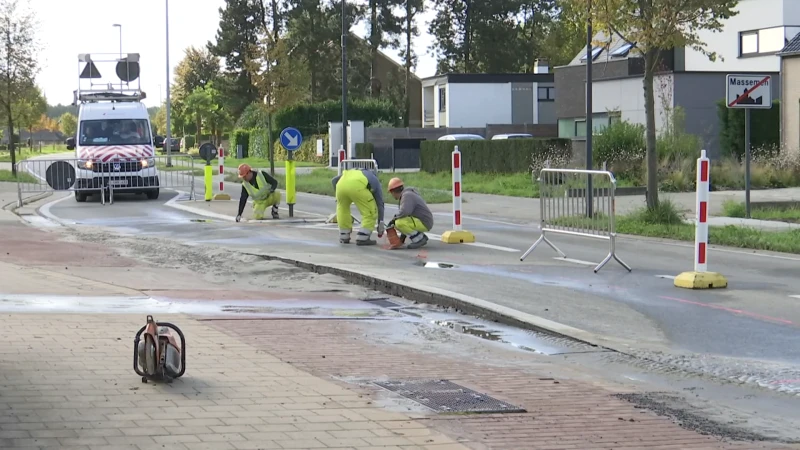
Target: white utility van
(114,147)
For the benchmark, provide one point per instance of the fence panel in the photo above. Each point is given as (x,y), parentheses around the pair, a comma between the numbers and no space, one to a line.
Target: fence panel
(565,208)
(369,164)
(39,176)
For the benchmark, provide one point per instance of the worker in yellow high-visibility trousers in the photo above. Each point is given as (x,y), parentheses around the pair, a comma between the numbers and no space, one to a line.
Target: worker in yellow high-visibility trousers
(414,218)
(363,188)
(261,186)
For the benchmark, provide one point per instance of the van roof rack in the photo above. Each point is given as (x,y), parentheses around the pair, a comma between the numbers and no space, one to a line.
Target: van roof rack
(91,86)
(108,95)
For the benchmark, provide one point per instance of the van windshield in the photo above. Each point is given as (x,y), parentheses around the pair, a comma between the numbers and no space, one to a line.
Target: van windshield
(115,132)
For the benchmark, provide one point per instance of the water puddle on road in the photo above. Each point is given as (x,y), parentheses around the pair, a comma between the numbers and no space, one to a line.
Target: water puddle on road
(517,338)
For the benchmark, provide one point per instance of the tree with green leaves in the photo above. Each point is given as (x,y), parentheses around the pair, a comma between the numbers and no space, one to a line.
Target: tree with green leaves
(240,23)
(565,33)
(384,30)
(655,26)
(68,124)
(18,61)
(29,108)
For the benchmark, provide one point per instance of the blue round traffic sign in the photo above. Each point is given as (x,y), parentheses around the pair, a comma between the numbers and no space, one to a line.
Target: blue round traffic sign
(291,139)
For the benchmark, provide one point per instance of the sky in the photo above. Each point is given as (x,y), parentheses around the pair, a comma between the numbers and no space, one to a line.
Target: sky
(87,26)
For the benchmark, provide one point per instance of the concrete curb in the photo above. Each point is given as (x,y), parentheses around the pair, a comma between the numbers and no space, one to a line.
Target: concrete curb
(462,303)
(25,201)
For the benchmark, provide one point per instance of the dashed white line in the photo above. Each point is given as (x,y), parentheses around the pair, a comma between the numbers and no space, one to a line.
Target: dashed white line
(795,296)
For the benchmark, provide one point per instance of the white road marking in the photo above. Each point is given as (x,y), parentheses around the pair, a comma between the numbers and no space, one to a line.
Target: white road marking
(576,261)
(667,277)
(795,296)
(45,209)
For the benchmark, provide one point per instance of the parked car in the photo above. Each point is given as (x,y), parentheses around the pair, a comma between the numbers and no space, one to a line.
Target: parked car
(512,136)
(461,137)
(175,144)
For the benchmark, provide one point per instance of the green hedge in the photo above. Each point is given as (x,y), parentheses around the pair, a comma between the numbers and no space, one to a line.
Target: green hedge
(364,150)
(307,151)
(765,128)
(188,141)
(500,156)
(313,118)
(240,137)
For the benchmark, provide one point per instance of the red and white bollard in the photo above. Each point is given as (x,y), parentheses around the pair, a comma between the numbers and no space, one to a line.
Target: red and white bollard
(457,235)
(342,157)
(701,278)
(221,156)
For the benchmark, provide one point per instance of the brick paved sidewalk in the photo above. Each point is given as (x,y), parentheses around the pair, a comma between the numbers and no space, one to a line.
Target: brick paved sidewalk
(66,382)
(562,414)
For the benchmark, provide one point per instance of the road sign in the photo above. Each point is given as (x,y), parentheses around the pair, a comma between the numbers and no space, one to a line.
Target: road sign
(291,139)
(749,91)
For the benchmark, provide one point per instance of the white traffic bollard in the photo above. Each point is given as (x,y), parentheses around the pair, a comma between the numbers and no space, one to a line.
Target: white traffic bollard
(701,278)
(457,235)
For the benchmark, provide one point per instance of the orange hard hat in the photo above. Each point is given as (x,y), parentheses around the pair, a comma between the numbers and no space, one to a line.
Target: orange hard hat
(395,183)
(244,169)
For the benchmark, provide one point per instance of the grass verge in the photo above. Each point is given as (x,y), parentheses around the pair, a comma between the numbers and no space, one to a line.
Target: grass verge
(264,163)
(5,155)
(319,182)
(789,213)
(178,168)
(666,222)
(7,176)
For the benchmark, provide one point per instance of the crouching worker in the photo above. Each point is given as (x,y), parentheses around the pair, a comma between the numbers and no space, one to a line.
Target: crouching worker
(363,188)
(414,217)
(262,188)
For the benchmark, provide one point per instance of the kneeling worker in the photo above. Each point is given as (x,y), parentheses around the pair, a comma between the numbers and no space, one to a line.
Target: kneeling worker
(261,186)
(414,217)
(362,187)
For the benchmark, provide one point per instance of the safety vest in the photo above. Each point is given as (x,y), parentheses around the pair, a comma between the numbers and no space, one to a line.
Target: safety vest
(263,190)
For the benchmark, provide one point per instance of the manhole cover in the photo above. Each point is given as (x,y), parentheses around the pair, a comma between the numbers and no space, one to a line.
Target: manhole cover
(447,397)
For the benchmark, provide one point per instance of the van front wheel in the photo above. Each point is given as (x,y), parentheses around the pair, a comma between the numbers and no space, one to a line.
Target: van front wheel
(80,197)
(152,194)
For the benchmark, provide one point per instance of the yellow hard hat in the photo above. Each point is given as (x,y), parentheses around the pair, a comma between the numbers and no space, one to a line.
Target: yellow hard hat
(395,183)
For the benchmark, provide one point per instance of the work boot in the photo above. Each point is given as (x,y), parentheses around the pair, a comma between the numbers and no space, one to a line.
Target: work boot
(402,238)
(275,212)
(344,237)
(364,239)
(417,244)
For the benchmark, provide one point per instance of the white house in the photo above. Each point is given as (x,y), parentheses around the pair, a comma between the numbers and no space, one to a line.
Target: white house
(748,43)
(476,100)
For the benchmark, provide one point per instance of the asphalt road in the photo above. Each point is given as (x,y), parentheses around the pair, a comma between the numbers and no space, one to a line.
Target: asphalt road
(748,331)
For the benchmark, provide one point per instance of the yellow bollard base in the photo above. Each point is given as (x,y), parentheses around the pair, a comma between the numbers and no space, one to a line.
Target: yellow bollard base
(458,237)
(331,218)
(222,197)
(701,280)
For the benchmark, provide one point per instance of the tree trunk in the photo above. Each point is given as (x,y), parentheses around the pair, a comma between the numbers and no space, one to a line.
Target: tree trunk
(374,43)
(467,36)
(409,23)
(198,123)
(650,114)
(11,140)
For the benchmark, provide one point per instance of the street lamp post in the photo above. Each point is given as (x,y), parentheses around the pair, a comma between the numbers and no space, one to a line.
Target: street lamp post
(344,80)
(169,118)
(116,25)
(589,127)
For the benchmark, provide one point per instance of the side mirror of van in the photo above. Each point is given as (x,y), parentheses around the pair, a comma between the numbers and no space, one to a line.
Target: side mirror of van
(159,141)
(70,143)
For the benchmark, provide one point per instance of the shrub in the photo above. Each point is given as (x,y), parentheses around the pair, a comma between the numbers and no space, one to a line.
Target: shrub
(665,213)
(255,115)
(500,156)
(313,118)
(307,151)
(240,137)
(364,150)
(622,147)
(674,143)
(188,142)
(764,128)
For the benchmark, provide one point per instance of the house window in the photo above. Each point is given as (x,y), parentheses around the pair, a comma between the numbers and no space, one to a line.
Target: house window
(614,117)
(764,41)
(546,94)
(622,51)
(442,99)
(595,53)
(580,127)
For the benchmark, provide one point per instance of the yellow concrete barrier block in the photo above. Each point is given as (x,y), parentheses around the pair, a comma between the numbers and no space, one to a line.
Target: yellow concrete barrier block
(701,280)
(458,237)
(222,197)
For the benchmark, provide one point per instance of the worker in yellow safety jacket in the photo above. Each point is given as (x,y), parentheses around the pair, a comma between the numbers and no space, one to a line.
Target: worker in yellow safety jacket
(362,187)
(413,218)
(262,188)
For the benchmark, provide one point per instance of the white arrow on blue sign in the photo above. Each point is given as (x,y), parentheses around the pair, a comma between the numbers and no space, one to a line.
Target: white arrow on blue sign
(291,139)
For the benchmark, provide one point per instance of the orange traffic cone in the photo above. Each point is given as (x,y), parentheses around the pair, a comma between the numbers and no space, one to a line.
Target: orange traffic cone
(394,239)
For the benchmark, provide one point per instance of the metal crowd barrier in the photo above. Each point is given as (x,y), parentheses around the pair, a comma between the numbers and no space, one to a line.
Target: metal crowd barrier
(566,208)
(369,164)
(104,178)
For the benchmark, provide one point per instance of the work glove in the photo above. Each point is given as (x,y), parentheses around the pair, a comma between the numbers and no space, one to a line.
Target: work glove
(238,218)
(381,229)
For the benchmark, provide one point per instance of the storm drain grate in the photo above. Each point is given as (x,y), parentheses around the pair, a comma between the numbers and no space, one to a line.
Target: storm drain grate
(447,397)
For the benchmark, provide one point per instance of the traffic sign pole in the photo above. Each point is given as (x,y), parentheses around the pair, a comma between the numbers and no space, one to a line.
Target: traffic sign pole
(747,157)
(291,140)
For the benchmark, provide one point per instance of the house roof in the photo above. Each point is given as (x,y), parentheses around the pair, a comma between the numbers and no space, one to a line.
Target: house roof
(609,44)
(477,78)
(792,48)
